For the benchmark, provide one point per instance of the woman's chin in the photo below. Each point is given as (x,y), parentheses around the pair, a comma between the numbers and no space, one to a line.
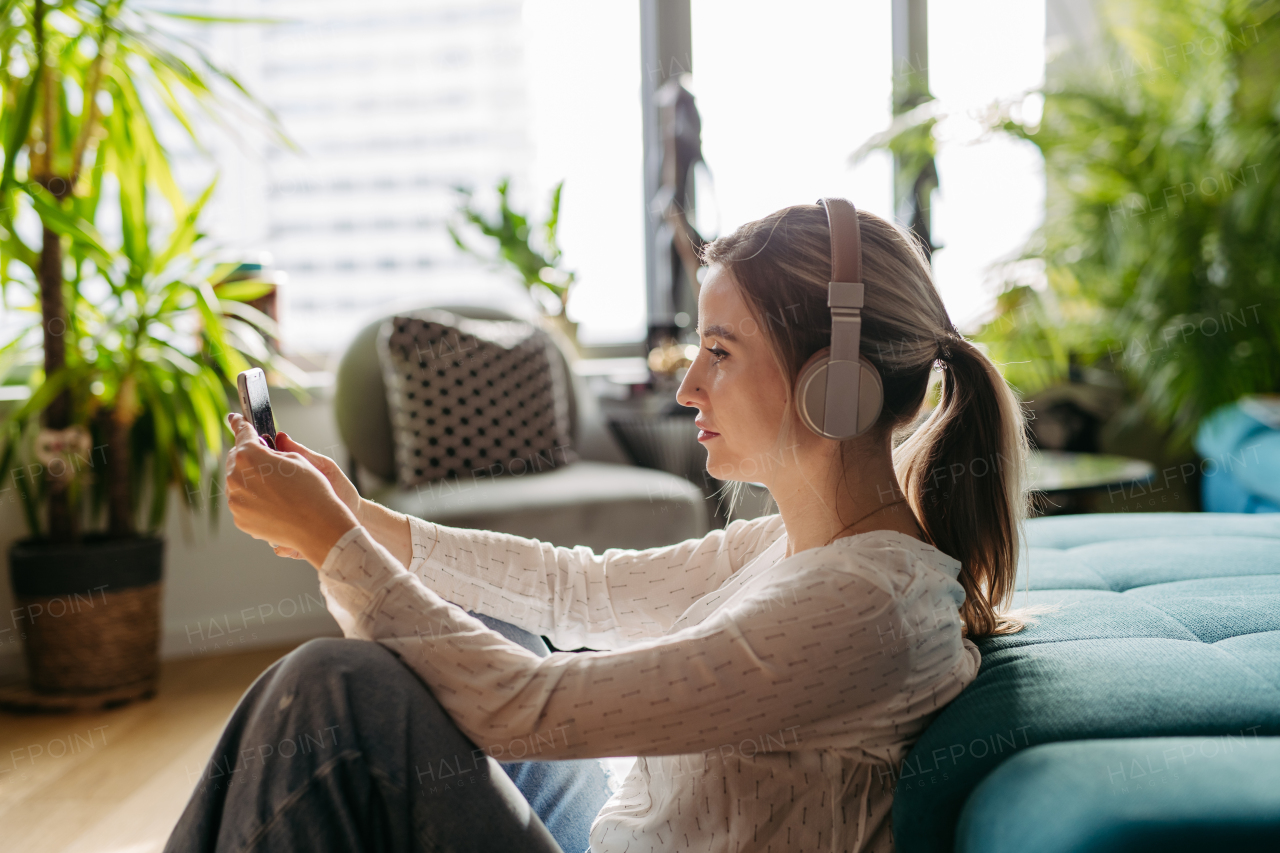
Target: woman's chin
(731,467)
(721,469)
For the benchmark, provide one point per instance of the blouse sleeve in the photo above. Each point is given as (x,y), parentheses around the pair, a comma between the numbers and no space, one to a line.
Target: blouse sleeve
(573,595)
(791,657)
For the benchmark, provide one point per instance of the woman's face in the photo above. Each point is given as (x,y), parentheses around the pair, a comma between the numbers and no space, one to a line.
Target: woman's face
(735,385)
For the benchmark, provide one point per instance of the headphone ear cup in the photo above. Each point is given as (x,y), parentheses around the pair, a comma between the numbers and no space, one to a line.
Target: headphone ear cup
(811,394)
(805,381)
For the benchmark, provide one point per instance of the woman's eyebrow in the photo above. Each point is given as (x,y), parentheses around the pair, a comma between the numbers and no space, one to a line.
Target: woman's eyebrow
(715,330)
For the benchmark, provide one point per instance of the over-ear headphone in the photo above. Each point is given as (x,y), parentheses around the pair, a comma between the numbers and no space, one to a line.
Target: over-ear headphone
(839,393)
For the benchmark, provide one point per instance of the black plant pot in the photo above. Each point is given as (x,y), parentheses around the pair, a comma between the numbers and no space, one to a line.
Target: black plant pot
(89,614)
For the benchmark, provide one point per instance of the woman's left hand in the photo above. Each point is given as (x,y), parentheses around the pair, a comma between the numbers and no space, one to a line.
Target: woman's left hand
(282,498)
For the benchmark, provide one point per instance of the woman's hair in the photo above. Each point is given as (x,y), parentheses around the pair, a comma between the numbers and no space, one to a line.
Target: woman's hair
(962,468)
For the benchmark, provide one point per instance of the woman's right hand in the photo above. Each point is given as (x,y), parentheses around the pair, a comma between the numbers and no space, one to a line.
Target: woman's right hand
(332,472)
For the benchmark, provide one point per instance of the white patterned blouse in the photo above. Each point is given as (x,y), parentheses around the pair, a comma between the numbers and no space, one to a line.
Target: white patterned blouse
(770,699)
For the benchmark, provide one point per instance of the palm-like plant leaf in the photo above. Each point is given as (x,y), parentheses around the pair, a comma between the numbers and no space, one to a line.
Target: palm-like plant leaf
(151,348)
(1163,214)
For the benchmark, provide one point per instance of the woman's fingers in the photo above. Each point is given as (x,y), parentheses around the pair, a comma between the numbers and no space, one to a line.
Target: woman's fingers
(244,430)
(282,497)
(286,442)
(248,465)
(242,427)
(331,470)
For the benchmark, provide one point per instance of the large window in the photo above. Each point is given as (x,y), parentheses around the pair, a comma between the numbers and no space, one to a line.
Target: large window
(584,91)
(787,91)
(991,190)
(395,102)
(392,104)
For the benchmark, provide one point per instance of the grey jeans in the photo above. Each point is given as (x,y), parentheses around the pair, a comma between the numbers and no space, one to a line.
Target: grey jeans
(339,746)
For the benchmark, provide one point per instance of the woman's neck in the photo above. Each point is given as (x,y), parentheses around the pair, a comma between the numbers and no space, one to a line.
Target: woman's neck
(823,509)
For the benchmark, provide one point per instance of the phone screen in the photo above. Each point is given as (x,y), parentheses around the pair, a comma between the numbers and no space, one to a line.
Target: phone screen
(255,403)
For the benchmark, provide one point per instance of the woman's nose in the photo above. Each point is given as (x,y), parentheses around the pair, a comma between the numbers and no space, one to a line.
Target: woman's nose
(690,391)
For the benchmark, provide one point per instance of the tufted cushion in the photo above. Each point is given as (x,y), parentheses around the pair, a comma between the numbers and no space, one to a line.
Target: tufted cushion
(1167,625)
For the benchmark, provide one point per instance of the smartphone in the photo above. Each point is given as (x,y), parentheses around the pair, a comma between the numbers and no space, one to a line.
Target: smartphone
(255,403)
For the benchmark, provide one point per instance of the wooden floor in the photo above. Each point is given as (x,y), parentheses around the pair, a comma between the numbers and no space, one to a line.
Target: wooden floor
(116,781)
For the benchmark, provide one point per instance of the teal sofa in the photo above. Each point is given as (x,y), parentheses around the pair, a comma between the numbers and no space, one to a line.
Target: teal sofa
(1144,714)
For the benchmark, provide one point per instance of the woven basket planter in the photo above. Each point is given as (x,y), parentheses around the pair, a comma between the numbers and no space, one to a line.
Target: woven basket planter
(89,613)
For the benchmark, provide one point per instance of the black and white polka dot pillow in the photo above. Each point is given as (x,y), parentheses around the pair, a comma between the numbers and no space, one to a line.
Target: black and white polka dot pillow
(473,399)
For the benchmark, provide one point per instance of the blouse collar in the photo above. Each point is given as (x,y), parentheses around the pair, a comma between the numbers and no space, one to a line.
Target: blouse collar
(944,563)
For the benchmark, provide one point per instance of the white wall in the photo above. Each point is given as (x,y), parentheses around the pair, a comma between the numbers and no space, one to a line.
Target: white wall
(223,591)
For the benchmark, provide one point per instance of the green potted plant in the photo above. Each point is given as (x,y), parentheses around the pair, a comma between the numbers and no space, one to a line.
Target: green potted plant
(530,250)
(1161,242)
(128,353)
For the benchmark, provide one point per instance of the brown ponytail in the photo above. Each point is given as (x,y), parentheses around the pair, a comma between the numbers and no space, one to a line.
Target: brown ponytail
(962,469)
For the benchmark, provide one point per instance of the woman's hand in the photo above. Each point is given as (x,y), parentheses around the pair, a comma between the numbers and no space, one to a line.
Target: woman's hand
(332,472)
(342,486)
(281,497)
(388,527)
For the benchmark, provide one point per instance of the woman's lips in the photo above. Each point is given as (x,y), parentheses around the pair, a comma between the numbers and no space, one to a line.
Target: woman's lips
(704,435)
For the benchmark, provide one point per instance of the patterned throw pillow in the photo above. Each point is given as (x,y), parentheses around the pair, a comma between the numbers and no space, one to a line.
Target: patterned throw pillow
(473,398)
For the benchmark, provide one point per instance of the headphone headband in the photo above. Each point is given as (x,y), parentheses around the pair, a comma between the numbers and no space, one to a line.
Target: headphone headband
(844,298)
(846,239)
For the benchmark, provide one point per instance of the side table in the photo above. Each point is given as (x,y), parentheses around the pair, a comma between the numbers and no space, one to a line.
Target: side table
(1064,477)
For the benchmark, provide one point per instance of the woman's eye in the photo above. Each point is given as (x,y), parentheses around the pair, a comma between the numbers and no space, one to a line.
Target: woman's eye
(717,352)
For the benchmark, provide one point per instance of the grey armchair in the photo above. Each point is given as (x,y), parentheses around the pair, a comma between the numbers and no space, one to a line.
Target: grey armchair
(600,500)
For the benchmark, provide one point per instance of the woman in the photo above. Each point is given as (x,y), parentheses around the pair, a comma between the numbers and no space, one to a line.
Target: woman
(771,676)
